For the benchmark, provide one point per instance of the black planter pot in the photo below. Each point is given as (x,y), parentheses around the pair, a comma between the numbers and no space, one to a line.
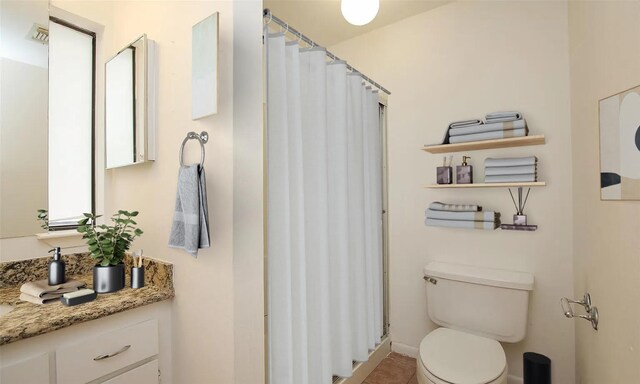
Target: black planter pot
(108,279)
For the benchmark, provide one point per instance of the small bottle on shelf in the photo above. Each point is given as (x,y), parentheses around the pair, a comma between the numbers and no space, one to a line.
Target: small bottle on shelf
(464,172)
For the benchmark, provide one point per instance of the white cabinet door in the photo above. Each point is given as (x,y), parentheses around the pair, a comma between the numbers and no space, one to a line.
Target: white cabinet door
(144,374)
(34,370)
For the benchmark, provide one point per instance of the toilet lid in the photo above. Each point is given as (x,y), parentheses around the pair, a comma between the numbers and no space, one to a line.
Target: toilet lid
(459,357)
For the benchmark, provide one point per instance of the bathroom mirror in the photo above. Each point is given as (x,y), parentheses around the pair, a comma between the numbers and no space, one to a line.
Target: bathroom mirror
(129,105)
(23,115)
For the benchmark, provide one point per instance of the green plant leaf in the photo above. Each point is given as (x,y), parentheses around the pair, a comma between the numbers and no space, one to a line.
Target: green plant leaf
(104,263)
(134,214)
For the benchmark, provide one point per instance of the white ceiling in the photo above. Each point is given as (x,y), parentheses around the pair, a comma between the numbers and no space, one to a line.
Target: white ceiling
(322,21)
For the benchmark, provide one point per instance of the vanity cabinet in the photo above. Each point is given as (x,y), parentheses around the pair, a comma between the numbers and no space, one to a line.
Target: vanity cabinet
(144,374)
(128,347)
(95,357)
(32,370)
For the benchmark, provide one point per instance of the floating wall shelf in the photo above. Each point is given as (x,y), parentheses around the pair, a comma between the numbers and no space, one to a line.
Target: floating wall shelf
(486,144)
(489,185)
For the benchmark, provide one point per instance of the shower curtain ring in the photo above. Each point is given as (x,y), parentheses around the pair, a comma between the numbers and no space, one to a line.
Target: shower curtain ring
(287,30)
(270,18)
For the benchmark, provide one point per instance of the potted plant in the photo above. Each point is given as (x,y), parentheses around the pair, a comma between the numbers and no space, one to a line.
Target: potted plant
(107,245)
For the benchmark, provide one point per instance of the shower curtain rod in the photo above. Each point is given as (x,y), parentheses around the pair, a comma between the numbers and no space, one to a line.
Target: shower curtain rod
(272,18)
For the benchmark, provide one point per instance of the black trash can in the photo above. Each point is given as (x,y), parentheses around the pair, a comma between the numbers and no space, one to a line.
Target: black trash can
(537,368)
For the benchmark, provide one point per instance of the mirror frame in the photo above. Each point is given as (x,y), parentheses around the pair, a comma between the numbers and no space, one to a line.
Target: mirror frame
(145,117)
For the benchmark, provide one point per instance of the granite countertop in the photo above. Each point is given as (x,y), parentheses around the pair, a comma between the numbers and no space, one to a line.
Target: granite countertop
(27,319)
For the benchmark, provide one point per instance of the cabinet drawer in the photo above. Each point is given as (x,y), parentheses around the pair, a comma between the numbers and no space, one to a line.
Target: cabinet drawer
(144,374)
(102,354)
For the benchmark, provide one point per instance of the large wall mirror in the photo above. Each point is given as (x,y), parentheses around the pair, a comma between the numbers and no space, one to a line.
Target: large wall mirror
(129,104)
(23,115)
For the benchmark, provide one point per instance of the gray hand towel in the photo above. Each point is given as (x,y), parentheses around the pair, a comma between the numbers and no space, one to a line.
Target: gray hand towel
(190,228)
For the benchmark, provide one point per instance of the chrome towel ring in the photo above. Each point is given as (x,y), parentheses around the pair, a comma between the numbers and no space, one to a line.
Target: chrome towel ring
(202,138)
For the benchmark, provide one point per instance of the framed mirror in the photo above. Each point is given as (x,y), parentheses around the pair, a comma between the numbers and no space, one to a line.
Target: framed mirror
(130,105)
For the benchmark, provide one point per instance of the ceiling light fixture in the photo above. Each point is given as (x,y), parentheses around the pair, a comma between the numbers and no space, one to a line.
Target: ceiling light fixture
(359,12)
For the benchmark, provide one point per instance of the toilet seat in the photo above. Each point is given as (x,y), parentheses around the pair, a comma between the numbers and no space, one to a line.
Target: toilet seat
(450,356)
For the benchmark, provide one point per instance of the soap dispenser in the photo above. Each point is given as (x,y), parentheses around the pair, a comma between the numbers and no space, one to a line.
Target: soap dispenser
(56,268)
(464,172)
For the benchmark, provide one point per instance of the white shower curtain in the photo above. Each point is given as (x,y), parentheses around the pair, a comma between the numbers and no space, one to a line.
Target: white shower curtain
(324,209)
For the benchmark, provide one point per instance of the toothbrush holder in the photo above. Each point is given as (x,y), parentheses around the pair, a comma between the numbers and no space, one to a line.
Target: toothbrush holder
(137,277)
(444,175)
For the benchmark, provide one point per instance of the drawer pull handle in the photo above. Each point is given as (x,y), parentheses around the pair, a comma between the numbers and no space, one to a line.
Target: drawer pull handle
(102,357)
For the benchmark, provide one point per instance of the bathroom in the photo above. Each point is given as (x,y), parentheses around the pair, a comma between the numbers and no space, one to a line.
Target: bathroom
(442,62)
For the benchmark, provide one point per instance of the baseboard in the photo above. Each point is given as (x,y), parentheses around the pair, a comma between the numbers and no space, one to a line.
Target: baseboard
(514,380)
(404,349)
(362,370)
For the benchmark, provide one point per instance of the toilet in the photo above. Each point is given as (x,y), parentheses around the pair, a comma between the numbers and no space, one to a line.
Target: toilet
(476,308)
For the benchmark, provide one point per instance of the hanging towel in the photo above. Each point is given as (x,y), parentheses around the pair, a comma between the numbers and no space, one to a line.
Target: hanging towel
(190,228)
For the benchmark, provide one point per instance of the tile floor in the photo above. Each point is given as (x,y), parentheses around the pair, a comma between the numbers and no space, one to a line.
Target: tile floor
(394,369)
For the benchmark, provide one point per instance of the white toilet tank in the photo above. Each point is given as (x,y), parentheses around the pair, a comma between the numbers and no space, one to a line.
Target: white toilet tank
(488,302)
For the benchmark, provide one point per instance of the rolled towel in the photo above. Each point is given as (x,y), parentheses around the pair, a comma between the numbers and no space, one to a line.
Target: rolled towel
(517,170)
(503,116)
(41,288)
(487,225)
(438,206)
(493,135)
(489,127)
(510,161)
(511,178)
(190,228)
(468,216)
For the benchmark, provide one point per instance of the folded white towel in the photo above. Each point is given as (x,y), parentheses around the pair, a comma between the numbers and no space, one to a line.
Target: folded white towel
(487,225)
(465,123)
(489,127)
(468,216)
(503,116)
(438,206)
(518,170)
(510,161)
(493,135)
(511,178)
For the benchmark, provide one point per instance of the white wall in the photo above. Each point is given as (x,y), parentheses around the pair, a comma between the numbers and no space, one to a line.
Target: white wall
(217,314)
(460,61)
(605,58)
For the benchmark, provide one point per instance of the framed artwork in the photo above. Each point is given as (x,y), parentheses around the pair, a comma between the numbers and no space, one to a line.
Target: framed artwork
(620,146)
(204,68)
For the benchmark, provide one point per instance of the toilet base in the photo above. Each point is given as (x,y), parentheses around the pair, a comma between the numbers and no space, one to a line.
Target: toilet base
(425,377)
